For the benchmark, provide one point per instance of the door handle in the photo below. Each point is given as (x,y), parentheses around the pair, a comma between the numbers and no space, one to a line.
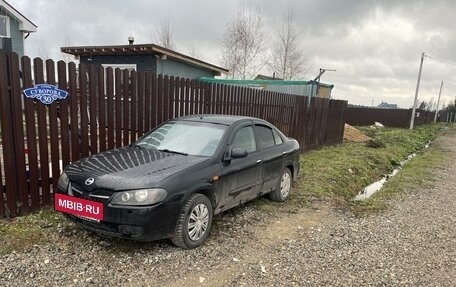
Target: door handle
(258,161)
(284,153)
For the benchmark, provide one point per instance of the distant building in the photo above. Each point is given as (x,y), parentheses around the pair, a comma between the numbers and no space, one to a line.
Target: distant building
(145,58)
(302,88)
(267,78)
(385,105)
(14,28)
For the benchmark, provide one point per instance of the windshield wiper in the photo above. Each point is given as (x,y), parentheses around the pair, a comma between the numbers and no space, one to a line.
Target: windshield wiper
(137,145)
(173,151)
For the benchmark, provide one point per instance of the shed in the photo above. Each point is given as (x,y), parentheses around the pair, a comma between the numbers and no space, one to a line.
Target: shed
(14,28)
(145,58)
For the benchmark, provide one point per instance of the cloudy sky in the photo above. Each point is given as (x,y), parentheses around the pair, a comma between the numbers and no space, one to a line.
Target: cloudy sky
(375,46)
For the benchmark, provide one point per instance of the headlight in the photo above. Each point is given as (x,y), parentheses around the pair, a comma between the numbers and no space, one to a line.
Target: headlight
(139,197)
(63,181)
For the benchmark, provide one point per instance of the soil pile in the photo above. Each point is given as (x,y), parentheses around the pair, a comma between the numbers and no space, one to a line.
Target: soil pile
(354,135)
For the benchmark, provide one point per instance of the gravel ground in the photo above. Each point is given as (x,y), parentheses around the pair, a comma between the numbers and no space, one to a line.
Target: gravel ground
(412,243)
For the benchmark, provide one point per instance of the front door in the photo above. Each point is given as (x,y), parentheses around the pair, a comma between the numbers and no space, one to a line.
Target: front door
(241,178)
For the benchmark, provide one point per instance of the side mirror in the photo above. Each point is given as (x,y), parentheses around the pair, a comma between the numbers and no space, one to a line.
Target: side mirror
(238,153)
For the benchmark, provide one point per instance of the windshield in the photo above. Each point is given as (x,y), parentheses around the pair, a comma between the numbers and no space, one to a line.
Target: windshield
(184,137)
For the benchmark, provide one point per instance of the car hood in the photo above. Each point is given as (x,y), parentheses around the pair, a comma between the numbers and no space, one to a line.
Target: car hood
(128,168)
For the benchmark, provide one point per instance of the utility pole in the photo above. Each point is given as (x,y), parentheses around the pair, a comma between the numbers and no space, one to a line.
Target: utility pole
(438,102)
(412,119)
(317,78)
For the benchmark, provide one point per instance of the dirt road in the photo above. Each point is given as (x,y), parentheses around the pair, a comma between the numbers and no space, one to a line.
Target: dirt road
(412,243)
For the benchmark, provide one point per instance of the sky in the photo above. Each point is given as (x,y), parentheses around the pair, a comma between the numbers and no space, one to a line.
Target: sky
(374,46)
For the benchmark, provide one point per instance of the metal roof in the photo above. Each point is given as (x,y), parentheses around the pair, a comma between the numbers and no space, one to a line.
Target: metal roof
(136,49)
(264,77)
(262,82)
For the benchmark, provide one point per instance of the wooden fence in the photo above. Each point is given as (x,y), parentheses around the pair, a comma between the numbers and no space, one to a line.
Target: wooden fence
(399,118)
(106,109)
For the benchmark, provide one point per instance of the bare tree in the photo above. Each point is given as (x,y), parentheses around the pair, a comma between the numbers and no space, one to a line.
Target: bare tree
(43,51)
(193,51)
(288,59)
(64,56)
(452,106)
(427,106)
(244,43)
(423,106)
(165,34)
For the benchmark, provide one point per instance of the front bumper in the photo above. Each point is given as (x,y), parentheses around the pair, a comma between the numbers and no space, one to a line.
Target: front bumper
(136,223)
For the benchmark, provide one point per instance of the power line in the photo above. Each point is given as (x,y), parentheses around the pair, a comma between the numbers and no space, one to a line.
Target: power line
(412,117)
(439,60)
(451,83)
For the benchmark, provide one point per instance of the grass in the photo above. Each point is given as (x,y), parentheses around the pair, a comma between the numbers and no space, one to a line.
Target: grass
(415,174)
(339,173)
(335,174)
(21,233)
(354,166)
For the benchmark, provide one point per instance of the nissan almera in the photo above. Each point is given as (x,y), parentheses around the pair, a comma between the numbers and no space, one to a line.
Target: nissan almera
(174,179)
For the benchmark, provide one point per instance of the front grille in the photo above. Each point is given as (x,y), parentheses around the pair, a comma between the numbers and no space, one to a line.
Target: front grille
(98,195)
(76,190)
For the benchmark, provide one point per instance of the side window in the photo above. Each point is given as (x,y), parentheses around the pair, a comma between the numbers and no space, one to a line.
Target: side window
(265,136)
(129,67)
(277,138)
(245,138)
(4,27)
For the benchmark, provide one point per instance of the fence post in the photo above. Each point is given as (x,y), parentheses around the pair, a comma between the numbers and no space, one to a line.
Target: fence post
(207,92)
(18,134)
(7,139)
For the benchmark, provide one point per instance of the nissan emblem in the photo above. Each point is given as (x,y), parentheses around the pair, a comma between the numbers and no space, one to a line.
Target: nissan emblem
(89,181)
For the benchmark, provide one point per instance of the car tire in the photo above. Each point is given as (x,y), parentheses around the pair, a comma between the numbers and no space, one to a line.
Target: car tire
(194,223)
(283,190)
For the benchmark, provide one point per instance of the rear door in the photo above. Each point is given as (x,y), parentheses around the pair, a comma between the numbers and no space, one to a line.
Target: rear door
(272,153)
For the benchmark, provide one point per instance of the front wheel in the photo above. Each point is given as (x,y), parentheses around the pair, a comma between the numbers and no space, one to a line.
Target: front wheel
(283,190)
(194,223)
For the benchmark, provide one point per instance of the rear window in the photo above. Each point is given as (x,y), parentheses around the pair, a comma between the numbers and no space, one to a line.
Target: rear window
(265,136)
(277,138)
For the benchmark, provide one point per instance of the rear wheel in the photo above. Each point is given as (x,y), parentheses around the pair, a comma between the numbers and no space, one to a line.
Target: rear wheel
(194,223)
(283,190)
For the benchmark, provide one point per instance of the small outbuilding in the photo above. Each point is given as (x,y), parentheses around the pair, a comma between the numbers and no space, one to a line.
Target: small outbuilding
(145,58)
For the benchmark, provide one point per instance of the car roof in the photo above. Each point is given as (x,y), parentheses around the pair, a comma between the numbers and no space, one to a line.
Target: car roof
(216,119)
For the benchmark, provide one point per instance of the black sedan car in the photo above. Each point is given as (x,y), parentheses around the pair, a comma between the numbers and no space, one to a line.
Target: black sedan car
(172,181)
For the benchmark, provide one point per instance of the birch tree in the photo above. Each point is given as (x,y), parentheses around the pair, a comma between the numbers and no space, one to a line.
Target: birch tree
(244,43)
(43,51)
(165,34)
(67,58)
(288,60)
